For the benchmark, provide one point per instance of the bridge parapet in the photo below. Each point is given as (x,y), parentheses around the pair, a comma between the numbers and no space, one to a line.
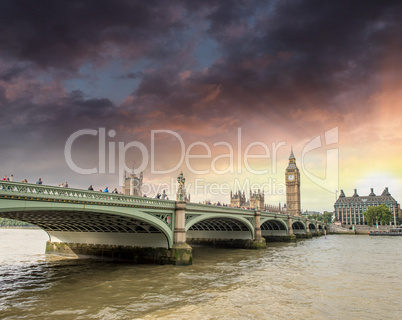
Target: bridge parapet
(27,190)
(208,208)
(193,207)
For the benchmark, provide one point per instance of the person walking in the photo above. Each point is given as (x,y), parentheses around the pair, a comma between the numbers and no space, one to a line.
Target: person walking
(39,181)
(106,190)
(91,188)
(66,185)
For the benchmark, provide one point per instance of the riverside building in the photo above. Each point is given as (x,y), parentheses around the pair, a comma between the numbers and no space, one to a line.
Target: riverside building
(349,210)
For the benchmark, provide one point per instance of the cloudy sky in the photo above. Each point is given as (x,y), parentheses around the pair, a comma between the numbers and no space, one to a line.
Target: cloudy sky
(201,87)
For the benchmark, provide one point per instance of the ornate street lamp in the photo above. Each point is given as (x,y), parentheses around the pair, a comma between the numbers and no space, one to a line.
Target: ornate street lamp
(181,189)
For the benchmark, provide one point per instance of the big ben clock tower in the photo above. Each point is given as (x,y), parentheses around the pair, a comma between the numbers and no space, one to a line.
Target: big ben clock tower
(292,176)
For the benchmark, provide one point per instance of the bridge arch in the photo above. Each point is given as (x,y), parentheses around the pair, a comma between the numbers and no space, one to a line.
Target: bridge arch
(111,225)
(312,227)
(299,227)
(274,227)
(219,227)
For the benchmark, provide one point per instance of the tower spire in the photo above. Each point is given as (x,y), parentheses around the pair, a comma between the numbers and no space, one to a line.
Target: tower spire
(292,160)
(292,156)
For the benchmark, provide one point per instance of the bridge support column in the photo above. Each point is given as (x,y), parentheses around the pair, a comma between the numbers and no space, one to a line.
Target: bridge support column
(180,253)
(308,233)
(317,232)
(291,235)
(258,241)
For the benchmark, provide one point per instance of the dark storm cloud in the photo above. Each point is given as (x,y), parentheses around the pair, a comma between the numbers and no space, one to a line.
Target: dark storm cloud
(319,47)
(11,72)
(72,112)
(274,56)
(130,75)
(62,34)
(282,56)
(98,106)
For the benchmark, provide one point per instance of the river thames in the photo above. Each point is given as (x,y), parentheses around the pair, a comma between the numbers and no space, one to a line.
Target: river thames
(337,277)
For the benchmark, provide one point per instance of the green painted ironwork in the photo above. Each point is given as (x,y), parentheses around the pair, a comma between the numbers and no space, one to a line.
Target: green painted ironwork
(43,191)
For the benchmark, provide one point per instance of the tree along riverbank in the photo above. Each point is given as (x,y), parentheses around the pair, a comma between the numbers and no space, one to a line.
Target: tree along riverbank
(9,223)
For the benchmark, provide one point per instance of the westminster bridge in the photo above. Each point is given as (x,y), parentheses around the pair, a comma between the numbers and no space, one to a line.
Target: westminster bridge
(84,223)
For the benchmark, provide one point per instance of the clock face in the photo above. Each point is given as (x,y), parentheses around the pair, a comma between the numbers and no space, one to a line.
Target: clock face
(291,177)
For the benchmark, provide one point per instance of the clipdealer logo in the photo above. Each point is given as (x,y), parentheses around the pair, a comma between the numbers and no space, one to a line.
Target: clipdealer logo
(186,155)
(233,154)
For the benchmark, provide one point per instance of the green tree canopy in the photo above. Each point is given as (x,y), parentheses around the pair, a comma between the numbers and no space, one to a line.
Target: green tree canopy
(315,216)
(325,217)
(379,213)
(13,223)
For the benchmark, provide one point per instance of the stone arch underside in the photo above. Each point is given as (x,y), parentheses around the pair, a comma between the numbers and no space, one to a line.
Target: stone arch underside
(95,228)
(298,227)
(219,228)
(273,228)
(312,227)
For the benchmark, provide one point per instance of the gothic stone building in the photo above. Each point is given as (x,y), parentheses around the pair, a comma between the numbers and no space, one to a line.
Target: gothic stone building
(257,199)
(132,184)
(238,200)
(349,210)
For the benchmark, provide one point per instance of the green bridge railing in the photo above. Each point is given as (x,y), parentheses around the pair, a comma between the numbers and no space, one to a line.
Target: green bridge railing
(44,191)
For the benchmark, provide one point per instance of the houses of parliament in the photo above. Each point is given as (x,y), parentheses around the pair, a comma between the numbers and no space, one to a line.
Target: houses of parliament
(257,199)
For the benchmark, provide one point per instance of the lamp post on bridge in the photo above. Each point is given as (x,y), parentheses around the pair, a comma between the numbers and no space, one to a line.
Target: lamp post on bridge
(181,191)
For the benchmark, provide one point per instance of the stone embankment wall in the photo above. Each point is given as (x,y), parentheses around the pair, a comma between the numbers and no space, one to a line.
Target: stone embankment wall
(367,229)
(338,229)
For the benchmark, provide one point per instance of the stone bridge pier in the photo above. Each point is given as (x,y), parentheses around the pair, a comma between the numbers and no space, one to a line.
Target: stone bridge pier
(180,253)
(291,234)
(258,241)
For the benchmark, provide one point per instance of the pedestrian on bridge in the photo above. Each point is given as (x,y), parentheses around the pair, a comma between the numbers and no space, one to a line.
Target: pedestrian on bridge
(106,190)
(39,181)
(91,188)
